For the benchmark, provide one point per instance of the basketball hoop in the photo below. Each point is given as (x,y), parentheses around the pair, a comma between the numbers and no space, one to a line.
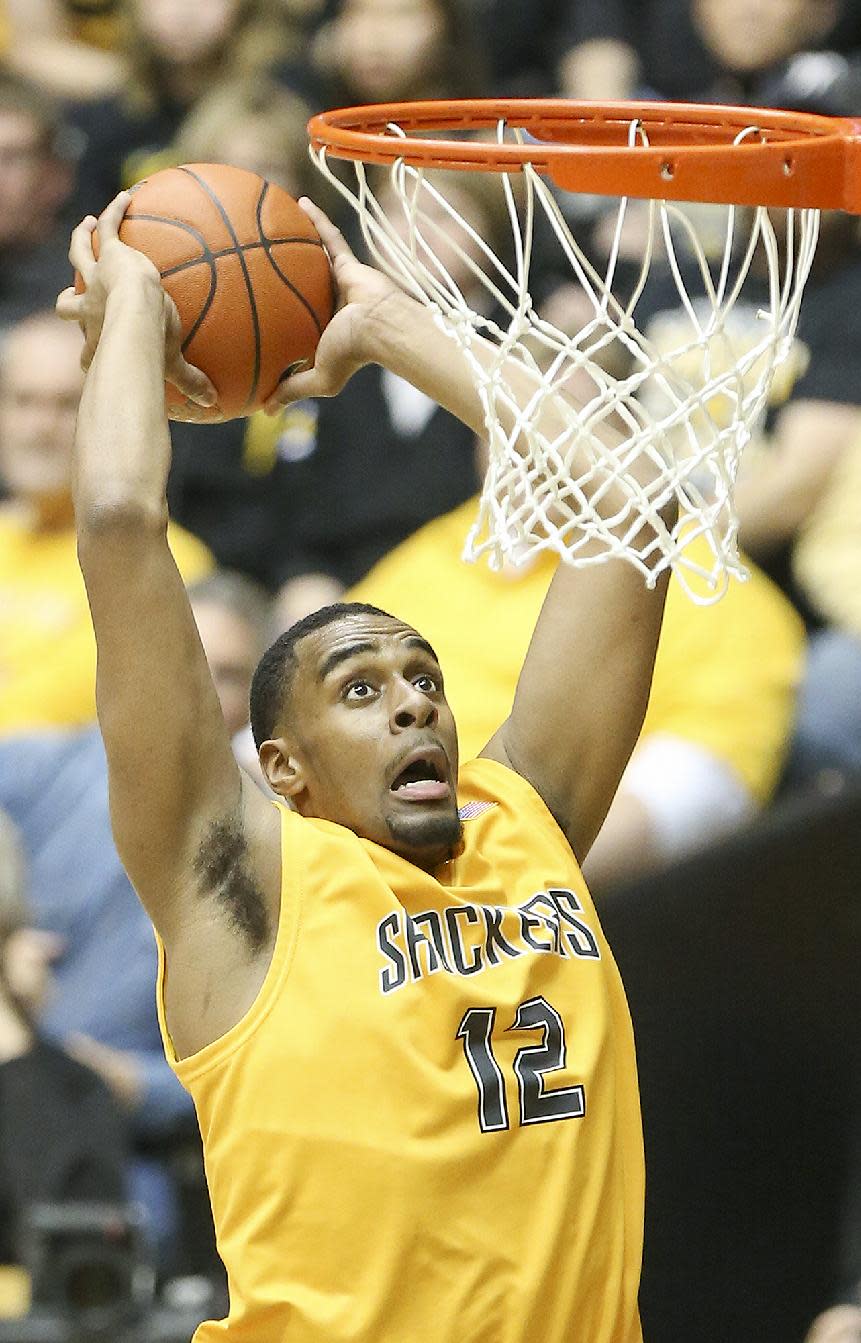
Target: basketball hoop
(690,404)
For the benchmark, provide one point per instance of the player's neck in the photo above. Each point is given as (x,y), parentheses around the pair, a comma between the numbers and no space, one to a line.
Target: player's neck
(432,860)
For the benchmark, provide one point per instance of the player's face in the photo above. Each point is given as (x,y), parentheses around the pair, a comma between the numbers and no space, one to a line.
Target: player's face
(375,744)
(40,387)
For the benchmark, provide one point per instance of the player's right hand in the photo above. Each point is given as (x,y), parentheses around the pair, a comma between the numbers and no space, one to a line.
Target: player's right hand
(120,267)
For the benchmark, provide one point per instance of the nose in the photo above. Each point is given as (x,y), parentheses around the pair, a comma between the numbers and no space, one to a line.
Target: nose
(412,708)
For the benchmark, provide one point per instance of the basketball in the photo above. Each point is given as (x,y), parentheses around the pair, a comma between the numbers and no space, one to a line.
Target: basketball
(248,274)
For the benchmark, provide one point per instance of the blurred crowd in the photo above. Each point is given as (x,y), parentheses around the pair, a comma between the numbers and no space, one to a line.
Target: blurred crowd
(369,494)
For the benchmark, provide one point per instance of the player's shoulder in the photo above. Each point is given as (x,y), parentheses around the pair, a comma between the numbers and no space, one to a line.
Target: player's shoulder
(508,829)
(485,784)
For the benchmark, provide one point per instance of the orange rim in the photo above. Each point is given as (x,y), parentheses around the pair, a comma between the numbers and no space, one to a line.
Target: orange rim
(795,159)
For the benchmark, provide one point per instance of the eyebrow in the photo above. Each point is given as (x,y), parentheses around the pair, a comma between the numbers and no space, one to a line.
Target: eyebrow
(343,654)
(416,641)
(370,646)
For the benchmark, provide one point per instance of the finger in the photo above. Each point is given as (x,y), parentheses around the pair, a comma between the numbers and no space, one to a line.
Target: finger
(70,305)
(112,216)
(332,237)
(297,387)
(81,252)
(192,382)
(302,386)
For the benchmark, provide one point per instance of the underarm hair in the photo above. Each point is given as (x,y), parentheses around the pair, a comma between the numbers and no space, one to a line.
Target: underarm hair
(222,865)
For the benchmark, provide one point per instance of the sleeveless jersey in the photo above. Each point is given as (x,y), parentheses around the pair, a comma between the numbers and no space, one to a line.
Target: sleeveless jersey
(427,1127)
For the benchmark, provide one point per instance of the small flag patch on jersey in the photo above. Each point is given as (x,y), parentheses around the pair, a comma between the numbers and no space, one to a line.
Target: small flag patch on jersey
(473,809)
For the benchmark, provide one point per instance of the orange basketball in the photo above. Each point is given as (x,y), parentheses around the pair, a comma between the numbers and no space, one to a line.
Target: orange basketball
(247,271)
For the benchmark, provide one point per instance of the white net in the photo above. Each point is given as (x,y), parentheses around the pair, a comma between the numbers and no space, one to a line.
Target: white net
(684,397)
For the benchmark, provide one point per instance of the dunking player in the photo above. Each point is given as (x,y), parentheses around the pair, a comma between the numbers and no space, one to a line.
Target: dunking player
(403,1030)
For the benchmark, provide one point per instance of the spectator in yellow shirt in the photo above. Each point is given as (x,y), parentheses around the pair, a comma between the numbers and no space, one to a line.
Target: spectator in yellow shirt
(719,714)
(47,650)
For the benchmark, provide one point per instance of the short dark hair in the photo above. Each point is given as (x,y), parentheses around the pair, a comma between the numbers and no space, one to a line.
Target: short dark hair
(272,681)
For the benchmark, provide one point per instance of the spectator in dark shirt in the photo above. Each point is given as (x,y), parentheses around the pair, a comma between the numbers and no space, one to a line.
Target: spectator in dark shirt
(798,502)
(747,38)
(223,476)
(362,471)
(688,49)
(321,492)
(525,44)
(288,517)
(176,52)
(62,1137)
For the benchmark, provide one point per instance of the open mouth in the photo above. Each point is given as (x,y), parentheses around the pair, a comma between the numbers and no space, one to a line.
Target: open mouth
(423,778)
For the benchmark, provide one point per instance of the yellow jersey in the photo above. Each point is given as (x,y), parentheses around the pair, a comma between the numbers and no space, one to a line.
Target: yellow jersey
(427,1128)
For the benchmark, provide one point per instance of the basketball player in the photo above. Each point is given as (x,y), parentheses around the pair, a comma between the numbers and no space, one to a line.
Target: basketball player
(392,1002)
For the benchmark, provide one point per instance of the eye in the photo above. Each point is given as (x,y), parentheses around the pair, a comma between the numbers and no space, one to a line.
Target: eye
(358,690)
(426,684)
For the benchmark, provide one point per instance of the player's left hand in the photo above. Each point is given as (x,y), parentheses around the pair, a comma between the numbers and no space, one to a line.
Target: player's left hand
(120,267)
(342,350)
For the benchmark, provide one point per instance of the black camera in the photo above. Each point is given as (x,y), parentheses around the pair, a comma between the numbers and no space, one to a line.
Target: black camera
(90,1264)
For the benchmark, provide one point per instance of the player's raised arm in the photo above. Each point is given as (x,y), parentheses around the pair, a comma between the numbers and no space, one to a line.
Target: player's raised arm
(174,786)
(583,691)
(584,687)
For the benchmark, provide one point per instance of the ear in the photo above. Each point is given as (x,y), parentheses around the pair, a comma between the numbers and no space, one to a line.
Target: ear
(283,771)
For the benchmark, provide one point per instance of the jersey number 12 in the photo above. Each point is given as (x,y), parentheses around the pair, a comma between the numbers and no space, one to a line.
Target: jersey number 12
(531,1063)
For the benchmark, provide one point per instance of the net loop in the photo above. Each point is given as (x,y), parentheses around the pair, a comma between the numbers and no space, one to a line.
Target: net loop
(685,395)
